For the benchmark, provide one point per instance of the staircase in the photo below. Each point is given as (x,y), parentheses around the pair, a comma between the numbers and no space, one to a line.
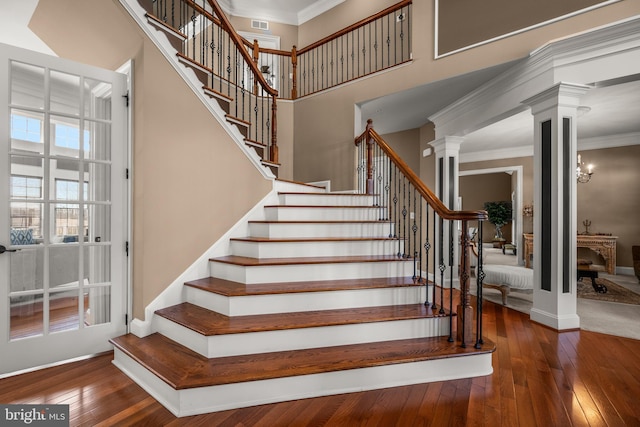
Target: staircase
(313,302)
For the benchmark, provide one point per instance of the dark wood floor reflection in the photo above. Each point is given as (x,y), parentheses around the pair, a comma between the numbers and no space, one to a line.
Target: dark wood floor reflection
(541,378)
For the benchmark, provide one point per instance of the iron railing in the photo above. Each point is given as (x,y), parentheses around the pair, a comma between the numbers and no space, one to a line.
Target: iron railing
(227,68)
(427,232)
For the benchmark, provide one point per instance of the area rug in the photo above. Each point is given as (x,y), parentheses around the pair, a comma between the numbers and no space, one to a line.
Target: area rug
(615,292)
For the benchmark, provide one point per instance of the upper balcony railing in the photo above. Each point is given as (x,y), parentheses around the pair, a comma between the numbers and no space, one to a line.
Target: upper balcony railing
(373,44)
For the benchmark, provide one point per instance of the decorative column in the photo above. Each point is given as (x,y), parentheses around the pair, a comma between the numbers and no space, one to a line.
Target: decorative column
(554,228)
(447,152)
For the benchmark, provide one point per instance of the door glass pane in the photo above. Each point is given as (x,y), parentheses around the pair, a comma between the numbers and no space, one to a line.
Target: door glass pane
(26,316)
(98,305)
(27,131)
(66,138)
(63,311)
(66,223)
(26,223)
(26,269)
(65,93)
(27,85)
(98,219)
(98,180)
(97,99)
(64,266)
(97,261)
(97,143)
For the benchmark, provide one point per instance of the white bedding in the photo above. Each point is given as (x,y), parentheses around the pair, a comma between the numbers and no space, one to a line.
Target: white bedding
(515,277)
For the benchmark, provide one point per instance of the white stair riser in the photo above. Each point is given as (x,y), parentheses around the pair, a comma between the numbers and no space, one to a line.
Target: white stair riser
(311,230)
(301,272)
(326,199)
(195,401)
(315,248)
(298,213)
(305,301)
(298,339)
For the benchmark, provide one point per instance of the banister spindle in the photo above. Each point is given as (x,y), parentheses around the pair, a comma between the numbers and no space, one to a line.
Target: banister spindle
(294,75)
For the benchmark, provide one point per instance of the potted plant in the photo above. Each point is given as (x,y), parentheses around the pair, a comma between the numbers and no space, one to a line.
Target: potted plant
(499,214)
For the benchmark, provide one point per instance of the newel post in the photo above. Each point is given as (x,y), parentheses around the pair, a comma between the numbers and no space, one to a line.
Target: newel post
(294,64)
(465,310)
(369,156)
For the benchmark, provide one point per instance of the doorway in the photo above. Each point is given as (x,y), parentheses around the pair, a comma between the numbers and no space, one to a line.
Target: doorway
(63,222)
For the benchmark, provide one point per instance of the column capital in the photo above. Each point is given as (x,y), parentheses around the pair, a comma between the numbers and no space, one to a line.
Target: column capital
(561,94)
(447,143)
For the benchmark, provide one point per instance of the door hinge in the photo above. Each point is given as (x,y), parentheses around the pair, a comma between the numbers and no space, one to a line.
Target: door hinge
(126,97)
(127,173)
(126,248)
(126,319)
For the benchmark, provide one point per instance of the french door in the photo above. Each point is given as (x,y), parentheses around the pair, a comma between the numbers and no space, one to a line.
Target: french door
(63,211)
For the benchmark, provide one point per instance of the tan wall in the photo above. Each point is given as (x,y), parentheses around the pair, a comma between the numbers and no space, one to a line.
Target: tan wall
(182,198)
(324,123)
(611,201)
(407,145)
(481,22)
(339,17)
(288,33)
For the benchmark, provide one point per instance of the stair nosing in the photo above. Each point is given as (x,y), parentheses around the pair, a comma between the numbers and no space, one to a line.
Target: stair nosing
(230,325)
(231,288)
(268,262)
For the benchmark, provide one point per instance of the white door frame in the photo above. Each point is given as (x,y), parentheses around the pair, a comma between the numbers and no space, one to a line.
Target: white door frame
(56,347)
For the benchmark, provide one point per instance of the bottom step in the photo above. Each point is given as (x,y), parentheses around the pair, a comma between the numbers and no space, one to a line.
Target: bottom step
(187,383)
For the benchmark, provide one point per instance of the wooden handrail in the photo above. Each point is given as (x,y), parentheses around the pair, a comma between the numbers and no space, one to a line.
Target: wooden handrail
(425,192)
(355,26)
(340,33)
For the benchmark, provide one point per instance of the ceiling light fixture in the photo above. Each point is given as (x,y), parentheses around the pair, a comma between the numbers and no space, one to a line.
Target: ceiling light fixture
(582,175)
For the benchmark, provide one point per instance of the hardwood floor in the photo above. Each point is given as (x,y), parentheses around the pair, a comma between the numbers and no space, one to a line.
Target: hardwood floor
(541,378)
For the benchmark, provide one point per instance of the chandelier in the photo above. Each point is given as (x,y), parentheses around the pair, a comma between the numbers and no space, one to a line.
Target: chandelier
(583,175)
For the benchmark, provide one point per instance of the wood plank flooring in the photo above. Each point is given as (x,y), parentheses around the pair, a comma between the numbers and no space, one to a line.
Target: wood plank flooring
(541,378)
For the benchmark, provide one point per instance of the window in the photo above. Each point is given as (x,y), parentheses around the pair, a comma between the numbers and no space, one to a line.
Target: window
(69,137)
(26,128)
(26,187)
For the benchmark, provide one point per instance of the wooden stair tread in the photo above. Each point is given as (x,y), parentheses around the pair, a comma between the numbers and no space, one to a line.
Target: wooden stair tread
(235,289)
(262,262)
(326,206)
(297,193)
(358,221)
(182,368)
(210,323)
(310,239)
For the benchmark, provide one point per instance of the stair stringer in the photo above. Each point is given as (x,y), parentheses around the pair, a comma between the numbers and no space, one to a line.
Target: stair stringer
(163,44)
(175,293)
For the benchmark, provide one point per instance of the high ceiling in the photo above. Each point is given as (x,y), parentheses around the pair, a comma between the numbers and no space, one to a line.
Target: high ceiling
(614,106)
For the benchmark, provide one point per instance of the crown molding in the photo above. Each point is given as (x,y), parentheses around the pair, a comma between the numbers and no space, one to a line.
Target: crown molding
(584,144)
(543,68)
(319,7)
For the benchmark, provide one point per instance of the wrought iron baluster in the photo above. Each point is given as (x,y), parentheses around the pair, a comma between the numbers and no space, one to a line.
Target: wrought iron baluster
(479,291)
(451,281)
(442,265)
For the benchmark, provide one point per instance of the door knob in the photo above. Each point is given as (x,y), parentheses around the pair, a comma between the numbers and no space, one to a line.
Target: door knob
(3,250)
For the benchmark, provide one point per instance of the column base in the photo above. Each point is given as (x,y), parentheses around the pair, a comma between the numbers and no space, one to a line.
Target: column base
(554,321)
